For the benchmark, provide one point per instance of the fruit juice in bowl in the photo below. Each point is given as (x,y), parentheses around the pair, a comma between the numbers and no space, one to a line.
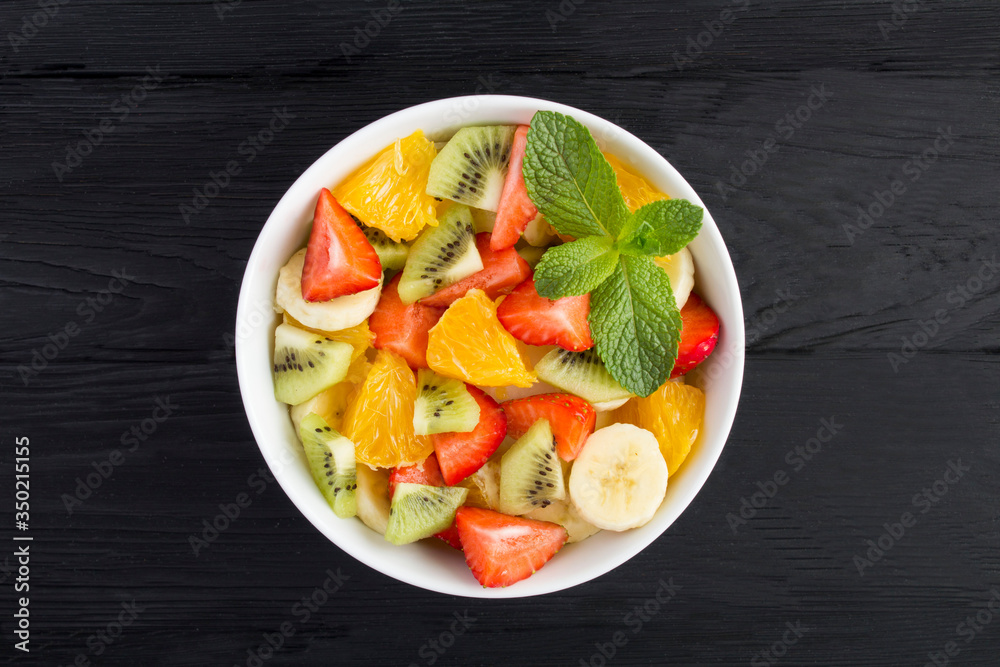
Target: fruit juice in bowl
(466,388)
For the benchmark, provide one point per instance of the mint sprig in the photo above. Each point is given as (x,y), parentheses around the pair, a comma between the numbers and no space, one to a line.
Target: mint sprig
(570,181)
(634,318)
(575,268)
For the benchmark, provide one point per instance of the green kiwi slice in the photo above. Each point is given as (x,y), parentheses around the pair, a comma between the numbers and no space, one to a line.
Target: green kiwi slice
(580,373)
(531,476)
(441,256)
(332,463)
(443,405)
(306,363)
(472,166)
(419,511)
(392,255)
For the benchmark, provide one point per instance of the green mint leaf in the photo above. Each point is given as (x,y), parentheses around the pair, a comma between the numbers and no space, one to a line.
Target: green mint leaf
(661,228)
(575,268)
(569,180)
(636,325)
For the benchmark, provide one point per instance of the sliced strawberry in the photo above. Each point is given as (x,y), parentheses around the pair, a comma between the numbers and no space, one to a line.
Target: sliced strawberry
(571,418)
(535,320)
(501,271)
(461,454)
(450,535)
(402,328)
(516,209)
(502,550)
(699,334)
(426,472)
(339,259)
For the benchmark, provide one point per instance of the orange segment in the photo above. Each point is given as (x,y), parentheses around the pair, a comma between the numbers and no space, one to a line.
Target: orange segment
(389,191)
(635,189)
(470,344)
(379,417)
(673,413)
(359,336)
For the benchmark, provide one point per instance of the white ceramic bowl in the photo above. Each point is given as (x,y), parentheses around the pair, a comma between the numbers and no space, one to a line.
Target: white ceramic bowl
(426,564)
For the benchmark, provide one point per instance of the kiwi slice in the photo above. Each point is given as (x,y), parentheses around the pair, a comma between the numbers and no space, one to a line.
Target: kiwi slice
(531,476)
(472,166)
(580,373)
(306,363)
(443,405)
(331,460)
(392,255)
(441,256)
(419,511)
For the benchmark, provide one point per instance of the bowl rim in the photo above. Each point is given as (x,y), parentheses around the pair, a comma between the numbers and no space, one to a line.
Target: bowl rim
(457,111)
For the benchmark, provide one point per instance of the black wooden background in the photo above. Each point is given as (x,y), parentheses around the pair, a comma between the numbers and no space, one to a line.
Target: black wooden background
(828,301)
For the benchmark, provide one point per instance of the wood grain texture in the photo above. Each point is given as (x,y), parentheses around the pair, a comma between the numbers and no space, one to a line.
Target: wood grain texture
(851,302)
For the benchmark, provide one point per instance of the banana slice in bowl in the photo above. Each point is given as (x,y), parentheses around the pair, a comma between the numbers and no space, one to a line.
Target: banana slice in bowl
(334,315)
(619,479)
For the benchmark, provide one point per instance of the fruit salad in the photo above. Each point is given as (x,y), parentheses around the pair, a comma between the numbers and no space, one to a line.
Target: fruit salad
(486,342)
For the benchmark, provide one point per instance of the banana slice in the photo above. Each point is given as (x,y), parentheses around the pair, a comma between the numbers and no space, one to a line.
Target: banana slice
(333,315)
(619,479)
(565,514)
(608,406)
(373,497)
(680,270)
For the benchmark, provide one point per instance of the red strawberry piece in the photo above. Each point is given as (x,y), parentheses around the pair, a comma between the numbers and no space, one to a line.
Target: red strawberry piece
(450,535)
(339,259)
(571,418)
(501,272)
(535,320)
(516,209)
(426,472)
(402,328)
(461,454)
(502,550)
(699,334)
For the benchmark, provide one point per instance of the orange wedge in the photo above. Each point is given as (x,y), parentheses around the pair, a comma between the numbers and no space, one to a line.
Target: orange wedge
(673,413)
(379,417)
(389,191)
(470,344)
